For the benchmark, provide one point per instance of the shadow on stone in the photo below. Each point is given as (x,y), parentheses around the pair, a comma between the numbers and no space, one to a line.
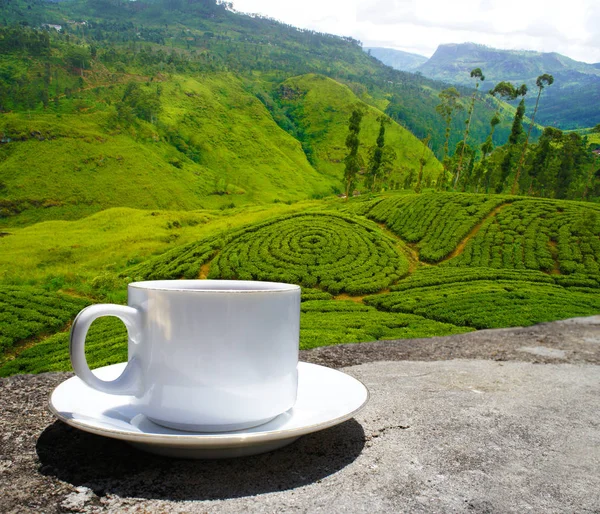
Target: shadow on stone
(111,466)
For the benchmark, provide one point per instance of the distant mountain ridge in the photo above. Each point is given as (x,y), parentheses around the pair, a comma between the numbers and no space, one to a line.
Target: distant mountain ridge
(450,62)
(573,101)
(397,59)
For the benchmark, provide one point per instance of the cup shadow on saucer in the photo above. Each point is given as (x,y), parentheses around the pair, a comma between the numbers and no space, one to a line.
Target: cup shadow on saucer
(110,466)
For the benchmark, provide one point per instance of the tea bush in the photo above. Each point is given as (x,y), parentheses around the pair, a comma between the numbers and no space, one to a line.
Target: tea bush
(322,322)
(437,223)
(552,236)
(337,253)
(309,294)
(27,311)
(489,302)
(433,276)
(106,343)
(180,262)
(332,322)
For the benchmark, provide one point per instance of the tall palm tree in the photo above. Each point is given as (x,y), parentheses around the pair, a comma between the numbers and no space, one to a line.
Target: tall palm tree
(448,105)
(541,82)
(478,76)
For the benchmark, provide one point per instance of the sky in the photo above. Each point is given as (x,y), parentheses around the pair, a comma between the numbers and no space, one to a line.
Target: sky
(571,27)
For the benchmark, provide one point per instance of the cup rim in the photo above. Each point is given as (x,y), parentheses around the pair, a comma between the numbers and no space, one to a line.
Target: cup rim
(214,286)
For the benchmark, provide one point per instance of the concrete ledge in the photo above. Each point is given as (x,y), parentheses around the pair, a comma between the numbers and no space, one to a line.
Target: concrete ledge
(575,340)
(464,435)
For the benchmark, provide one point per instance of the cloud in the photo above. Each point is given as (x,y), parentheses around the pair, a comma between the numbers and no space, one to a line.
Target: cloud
(569,28)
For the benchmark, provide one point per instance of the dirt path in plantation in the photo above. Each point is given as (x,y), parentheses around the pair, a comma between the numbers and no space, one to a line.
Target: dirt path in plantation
(204,270)
(410,249)
(461,246)
(554,252)
(344,296)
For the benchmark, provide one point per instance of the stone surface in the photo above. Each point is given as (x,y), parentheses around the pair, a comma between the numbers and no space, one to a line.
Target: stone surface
(578,338)
(462,435)
(543,351)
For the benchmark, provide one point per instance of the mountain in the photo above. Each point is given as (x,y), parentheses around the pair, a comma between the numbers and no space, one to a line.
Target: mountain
(182,101)
(397,59)
(573,101)
(452,62)
(209,36)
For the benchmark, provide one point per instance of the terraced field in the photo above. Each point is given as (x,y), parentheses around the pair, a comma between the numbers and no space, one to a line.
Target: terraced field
(382,268)
(435,223)
(323,321)
(531,234)
(27,312)
(481,298)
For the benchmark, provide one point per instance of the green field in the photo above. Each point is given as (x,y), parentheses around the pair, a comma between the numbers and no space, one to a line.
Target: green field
(379,267)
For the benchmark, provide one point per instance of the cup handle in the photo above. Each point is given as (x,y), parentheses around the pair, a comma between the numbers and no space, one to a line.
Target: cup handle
(130,381)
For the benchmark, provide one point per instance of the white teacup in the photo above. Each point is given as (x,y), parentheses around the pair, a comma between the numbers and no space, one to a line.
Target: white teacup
(204,355)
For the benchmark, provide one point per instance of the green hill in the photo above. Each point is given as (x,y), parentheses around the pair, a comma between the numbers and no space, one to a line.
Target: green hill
(148,38)
(320,108)
(212,144)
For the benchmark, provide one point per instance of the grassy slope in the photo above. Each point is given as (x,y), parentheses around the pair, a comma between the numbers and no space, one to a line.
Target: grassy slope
(238,139)
(83,165)
(64,166)
(110,240)
(324,107)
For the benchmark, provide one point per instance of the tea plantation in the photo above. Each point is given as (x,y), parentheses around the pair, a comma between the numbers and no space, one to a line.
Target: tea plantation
(336,252)
(27,312)
(547,236)
(386,267)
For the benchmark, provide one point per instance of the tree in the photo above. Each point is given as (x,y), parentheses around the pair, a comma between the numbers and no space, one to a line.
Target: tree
(387,164)
(541,82)
(448,105)
(574,157)
(352,160)
(422,162)
(516,133)
(506,91)
(78,57)
(478,76)
(546,160)
(376,158)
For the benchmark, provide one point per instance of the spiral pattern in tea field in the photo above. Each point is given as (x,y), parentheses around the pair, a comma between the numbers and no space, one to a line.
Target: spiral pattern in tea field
(337,253)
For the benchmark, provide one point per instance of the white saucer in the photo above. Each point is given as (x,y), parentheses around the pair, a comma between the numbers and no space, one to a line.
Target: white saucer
(326,397)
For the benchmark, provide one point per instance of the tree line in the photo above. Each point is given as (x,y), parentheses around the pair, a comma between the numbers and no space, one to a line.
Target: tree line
(559,165)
